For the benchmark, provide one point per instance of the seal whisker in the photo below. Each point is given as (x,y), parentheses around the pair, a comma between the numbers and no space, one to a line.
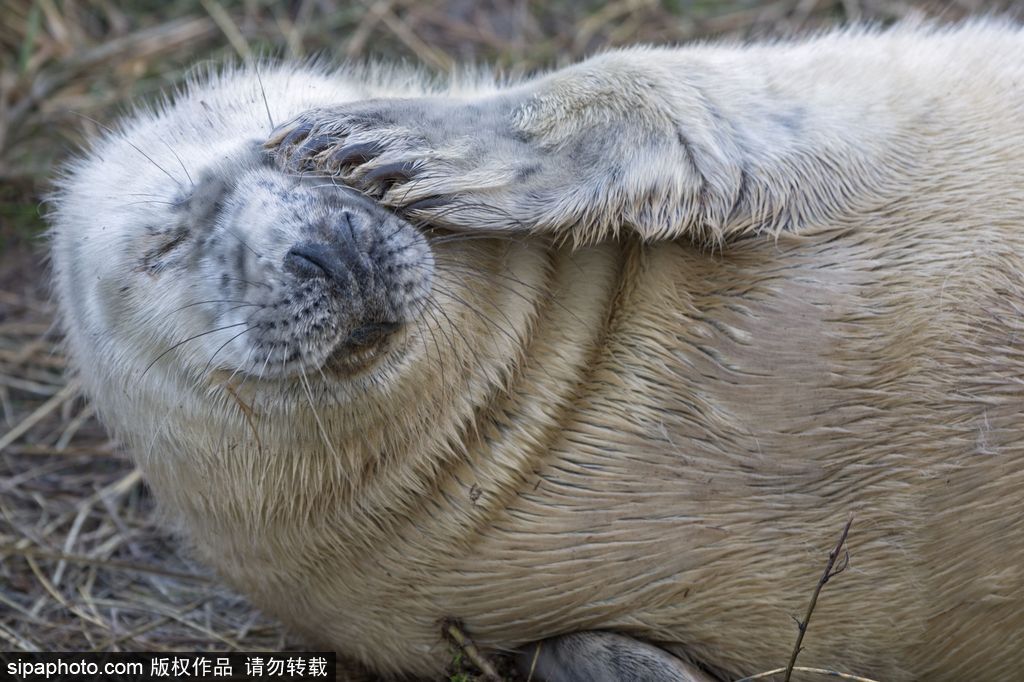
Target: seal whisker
(446,387)
(328,385)
(467,346)
(113,132)
(475,214)
(238,369)
(180,202)
(467,270)
(212,301)
(181,343)
(221,347)
(434,327)
(263,93)
(462,239)
(263,369)
(151,202)
(180,163)
(457,237)
(475,273)
(243,281)
(482,315)
(243,242)
(316,414)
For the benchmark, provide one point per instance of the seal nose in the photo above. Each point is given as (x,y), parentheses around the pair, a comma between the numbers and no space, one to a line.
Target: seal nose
(338,263)
(350,274)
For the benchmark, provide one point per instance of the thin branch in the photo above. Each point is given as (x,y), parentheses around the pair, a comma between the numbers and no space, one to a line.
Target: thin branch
(113,564)
(65,394)
(801,669)
(828,574)
(533,662)
(454,633)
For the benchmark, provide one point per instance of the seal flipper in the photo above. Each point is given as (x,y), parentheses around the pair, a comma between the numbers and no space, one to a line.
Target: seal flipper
(603,657)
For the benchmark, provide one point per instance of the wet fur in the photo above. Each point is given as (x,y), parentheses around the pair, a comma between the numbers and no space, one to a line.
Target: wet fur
(640,436)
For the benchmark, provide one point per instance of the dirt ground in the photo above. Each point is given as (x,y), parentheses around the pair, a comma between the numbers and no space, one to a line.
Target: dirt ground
(84,563)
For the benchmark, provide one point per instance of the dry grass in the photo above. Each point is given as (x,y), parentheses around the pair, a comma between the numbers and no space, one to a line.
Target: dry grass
(84,564)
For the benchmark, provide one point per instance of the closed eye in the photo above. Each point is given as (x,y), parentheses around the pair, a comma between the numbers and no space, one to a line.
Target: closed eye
(158,257)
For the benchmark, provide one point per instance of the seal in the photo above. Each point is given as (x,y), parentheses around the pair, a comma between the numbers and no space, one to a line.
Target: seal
(462,351)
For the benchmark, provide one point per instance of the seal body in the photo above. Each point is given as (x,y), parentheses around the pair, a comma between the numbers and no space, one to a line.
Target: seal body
(615,430)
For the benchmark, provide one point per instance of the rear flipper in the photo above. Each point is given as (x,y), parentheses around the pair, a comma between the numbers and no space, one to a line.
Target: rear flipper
(602,657)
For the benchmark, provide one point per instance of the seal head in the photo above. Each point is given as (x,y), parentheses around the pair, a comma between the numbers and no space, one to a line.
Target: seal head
(280,274)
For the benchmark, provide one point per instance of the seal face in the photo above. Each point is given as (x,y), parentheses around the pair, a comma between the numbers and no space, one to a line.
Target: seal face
(241,268)
(309,275)
(304,275)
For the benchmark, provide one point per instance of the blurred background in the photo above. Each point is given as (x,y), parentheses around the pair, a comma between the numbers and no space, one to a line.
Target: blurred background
(84,564)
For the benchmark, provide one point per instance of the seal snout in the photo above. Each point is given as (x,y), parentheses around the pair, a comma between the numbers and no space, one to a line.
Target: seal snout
(323,277)
(354,277)
(347,272)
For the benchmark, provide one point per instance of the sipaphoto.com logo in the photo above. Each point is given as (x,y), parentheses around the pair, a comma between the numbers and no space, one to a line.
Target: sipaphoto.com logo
(68,667)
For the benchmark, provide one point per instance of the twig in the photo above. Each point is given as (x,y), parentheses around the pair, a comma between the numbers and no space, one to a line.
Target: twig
(825,577)
(143,43)
(113,564)
(66,393)
(533,663)
(801,669)
(424,52)
(357,39)
(65,438)
(453,632)
(611,13)
(17,640)
(227,26)
(29,386)
(102,450)
(58,597)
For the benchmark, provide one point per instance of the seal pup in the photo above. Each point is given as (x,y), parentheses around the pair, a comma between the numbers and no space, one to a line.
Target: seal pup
(563,414)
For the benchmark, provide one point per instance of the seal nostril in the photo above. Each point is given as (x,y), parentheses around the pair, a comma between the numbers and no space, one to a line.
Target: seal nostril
(308,261)
(338,262)
(371,333)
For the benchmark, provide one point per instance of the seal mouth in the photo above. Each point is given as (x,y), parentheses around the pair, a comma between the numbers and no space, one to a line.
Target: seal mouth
(364,349)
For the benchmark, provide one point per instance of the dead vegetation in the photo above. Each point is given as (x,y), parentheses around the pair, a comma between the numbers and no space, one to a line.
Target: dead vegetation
(84,564)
